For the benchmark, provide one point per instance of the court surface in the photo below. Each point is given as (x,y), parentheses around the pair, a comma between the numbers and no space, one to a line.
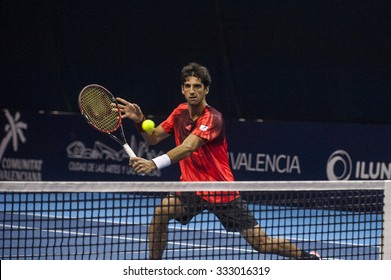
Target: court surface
(121,233)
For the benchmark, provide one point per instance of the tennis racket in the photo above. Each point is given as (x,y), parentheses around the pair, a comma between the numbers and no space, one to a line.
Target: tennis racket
(95,106)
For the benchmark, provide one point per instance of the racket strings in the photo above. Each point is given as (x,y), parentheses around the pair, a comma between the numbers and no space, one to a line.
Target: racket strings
(96,106)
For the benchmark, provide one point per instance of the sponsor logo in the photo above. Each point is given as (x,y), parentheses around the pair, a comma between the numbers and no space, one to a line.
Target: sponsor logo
(15,168)
(203,127)
(340,166)
(14,132)
(103,159)
(260,162)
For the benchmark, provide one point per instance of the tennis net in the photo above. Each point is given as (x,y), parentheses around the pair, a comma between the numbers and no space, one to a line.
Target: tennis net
(347,220)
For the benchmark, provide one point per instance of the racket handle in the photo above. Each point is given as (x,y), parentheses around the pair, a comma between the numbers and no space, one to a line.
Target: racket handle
(129,150)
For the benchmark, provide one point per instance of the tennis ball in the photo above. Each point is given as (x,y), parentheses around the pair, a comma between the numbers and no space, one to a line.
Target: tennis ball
(148,125)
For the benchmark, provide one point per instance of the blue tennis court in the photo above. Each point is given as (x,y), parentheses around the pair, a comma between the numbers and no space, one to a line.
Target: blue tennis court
(74,226)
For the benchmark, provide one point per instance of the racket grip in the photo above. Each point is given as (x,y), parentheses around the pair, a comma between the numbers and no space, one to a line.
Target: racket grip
(129,150)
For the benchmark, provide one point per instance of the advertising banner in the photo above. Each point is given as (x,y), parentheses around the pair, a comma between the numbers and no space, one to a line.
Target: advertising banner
(63,147)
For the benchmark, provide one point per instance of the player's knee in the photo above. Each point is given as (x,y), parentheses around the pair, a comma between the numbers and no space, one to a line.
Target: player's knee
(162,211)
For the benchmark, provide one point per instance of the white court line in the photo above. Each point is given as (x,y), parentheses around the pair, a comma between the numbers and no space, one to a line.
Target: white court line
(183,244)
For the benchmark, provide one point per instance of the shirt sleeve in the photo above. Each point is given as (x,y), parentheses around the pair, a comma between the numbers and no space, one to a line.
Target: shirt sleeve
(168,124)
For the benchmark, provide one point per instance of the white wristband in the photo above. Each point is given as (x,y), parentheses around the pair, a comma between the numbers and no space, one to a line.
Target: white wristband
(162,161)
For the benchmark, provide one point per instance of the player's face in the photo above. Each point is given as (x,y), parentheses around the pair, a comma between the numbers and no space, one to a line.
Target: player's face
(194,91)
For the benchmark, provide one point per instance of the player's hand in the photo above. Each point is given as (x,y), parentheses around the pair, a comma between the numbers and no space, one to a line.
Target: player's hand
(141,165)
(130,110)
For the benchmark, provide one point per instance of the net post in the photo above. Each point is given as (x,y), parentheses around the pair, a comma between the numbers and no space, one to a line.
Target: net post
(387,221)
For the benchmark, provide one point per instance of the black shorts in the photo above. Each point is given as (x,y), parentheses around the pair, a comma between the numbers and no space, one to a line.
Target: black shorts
(234,215)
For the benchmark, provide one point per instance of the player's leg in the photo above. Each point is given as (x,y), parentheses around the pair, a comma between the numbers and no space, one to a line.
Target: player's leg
(235,216)
(258,239)
(169,208)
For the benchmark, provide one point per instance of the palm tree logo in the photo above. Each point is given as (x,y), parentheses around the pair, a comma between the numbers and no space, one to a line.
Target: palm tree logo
(14,132)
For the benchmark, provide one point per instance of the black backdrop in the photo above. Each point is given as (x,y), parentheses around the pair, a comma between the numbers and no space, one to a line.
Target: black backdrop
(280,60)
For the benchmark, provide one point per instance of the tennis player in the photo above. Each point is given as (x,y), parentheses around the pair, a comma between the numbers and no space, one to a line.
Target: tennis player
(201,150)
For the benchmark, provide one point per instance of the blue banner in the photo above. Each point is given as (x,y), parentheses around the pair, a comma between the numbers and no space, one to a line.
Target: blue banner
(63,147)
(309,151)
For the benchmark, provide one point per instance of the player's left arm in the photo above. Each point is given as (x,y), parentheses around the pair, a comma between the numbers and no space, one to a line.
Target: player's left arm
(133,112)
(189,145)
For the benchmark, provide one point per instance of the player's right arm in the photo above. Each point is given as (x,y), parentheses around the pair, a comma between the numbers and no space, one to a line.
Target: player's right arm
(189,145)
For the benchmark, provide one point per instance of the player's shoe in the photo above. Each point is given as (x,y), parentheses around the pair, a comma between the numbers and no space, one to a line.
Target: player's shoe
(315,255)
(312,255)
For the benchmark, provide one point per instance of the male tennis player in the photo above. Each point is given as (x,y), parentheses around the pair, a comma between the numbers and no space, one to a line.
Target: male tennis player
(201,150)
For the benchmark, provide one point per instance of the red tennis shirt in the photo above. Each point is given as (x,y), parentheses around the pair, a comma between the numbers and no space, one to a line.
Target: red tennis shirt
(210,161)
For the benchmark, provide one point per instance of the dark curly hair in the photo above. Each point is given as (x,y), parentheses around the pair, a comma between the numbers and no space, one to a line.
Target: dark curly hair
(196,70)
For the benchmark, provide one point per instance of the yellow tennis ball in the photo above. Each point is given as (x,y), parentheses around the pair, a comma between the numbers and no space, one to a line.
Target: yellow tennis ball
(148,125)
